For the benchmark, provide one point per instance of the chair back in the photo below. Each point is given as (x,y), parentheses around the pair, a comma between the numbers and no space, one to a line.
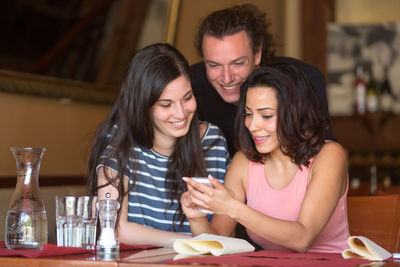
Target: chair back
(377,218)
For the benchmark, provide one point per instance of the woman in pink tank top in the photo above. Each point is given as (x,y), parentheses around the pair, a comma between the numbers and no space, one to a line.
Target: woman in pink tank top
(286,185)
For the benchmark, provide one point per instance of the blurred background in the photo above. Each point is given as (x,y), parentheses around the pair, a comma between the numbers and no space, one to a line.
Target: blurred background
(61,63)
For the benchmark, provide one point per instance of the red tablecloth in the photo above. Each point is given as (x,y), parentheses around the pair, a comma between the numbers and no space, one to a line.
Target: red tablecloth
(51,250)
(276,258)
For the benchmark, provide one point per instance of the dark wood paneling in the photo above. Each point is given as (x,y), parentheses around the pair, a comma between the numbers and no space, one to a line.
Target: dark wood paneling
(122,41)
(377,218)
(370,133)
(315,16)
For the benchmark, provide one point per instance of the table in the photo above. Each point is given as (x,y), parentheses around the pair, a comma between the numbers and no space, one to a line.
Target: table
(162,257)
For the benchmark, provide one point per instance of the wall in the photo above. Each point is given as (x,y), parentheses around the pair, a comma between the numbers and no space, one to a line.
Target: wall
(367,11)
(372,140)
(64,128)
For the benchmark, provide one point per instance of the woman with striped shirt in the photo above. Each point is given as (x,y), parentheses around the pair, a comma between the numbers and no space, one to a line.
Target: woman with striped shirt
(150,140)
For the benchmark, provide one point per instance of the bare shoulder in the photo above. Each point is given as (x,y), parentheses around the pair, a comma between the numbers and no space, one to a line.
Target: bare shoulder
(332,149)
(237,171)
(329,169)
(240,160)
(331,156)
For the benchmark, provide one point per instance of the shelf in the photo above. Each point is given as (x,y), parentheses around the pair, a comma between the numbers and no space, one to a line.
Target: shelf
(377,132)
(378,159)
(374,122)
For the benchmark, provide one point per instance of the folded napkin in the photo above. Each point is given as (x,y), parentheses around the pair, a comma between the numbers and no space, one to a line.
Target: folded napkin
(364,248)
(212,244)
(51,250)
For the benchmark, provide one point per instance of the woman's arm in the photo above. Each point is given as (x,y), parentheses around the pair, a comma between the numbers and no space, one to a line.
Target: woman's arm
(234,188)
(328,182)
(133,233)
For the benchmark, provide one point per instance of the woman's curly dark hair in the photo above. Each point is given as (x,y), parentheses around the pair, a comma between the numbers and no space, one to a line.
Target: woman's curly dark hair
(300,120)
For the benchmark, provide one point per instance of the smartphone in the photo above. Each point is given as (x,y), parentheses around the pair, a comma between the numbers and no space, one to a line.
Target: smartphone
(203,180)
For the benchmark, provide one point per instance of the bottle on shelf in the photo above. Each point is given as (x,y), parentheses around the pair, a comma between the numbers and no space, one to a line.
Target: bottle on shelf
(373,179)
(372,95)
(360,87)
(372,102)
(386,95)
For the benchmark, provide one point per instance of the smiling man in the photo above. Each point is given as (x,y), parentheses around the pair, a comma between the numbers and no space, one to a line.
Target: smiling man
(228,62)
(233,42)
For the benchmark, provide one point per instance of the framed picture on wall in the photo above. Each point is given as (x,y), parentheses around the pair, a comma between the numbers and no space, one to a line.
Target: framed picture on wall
(78,49)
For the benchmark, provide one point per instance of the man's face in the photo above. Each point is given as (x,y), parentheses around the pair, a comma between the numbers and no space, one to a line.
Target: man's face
(229,61)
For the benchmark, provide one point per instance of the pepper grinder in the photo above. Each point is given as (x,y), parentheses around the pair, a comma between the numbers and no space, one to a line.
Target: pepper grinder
(107,245)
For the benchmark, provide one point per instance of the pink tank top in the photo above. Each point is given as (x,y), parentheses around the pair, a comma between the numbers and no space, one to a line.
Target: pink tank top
(286,203)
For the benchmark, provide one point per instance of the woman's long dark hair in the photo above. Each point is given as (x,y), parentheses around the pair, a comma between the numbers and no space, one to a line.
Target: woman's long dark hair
(300,120)
(149,72)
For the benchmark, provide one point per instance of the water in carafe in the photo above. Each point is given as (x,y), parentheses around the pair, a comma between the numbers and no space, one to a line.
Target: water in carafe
(26,223)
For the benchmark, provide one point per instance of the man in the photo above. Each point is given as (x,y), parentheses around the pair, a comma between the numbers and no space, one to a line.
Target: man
(233,42)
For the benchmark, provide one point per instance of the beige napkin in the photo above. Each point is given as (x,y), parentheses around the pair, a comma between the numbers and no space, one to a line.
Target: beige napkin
(212,244)
(364,248)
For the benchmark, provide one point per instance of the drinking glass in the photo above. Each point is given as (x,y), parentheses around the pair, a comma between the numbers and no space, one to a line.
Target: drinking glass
(76,219)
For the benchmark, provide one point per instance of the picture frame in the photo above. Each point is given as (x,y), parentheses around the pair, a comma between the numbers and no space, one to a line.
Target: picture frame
(20,82)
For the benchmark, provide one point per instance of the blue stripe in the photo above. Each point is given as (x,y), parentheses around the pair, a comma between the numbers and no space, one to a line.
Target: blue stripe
(149,204)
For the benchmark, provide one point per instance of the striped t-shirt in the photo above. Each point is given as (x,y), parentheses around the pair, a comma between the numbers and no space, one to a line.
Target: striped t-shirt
(149,203)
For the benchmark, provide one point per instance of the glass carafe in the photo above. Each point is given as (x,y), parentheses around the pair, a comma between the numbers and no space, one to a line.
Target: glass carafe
(26,224)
